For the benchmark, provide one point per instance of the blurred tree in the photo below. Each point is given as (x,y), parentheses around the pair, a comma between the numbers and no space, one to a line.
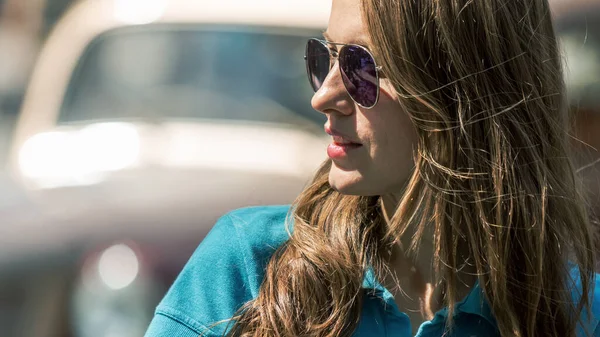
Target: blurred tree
(20,23)
(24,24)
(19,44)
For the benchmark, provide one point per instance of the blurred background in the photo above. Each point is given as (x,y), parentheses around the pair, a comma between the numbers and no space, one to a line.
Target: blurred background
(127,127)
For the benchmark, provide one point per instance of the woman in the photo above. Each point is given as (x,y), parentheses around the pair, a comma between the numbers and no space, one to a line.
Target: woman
(448,207)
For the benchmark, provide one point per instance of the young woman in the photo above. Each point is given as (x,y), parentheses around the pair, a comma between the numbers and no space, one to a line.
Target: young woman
(448,206)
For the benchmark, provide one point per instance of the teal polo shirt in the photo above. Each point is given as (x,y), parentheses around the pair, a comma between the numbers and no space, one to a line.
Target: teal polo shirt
(228,267)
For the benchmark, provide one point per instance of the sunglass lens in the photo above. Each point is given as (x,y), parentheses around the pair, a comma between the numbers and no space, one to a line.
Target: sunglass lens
(359,75)
(317,63)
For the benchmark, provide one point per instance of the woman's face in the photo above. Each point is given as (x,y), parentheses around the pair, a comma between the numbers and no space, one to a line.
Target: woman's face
(383,162)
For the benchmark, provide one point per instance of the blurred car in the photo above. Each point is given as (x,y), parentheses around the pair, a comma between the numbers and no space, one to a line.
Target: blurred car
(144,121)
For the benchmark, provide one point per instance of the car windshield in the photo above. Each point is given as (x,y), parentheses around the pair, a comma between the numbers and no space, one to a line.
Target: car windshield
(158,72)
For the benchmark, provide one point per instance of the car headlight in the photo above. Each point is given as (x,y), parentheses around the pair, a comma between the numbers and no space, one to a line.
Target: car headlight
(79,157)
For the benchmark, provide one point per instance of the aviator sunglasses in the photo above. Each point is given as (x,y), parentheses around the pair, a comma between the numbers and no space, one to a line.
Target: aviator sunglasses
(360,74)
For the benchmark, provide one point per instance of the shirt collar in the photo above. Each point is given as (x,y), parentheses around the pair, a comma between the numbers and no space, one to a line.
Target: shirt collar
(474,303)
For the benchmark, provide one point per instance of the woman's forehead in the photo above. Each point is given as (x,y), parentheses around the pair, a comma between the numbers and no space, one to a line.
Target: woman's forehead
(346,24)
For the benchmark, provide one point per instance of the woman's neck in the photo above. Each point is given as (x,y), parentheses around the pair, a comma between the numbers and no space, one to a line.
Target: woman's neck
(404,261)
(415,270)
(426,247)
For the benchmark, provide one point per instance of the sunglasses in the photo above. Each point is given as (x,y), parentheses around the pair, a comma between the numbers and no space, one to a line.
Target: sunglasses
(360,73)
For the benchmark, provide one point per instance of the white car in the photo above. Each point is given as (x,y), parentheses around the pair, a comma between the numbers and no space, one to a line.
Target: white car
(144,121)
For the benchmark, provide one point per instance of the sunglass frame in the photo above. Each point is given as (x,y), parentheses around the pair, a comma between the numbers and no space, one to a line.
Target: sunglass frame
(335,55)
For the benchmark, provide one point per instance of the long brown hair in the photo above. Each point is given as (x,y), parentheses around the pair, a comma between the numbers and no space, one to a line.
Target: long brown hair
(482,83)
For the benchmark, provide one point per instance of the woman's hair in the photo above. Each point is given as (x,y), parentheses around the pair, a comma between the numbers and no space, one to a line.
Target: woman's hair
(482,83)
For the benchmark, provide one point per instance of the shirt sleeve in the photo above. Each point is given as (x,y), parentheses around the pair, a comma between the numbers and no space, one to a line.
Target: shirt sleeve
(211,288)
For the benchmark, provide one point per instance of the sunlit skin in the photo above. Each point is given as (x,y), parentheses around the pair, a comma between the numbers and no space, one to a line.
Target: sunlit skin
(384,162)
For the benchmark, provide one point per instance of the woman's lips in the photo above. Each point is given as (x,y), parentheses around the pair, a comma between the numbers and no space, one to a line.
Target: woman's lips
(341,146)
(337,151)
(339,140)
(339,137)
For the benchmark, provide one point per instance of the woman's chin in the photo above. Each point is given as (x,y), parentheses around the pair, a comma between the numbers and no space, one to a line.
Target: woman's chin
(348,182)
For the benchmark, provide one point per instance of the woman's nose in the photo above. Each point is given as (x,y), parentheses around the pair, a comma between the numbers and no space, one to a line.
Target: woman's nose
(332,95)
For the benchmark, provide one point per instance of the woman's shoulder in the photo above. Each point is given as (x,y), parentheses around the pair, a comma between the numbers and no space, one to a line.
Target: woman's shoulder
(249,234)
(256,233)
(224,272)
(259,225)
